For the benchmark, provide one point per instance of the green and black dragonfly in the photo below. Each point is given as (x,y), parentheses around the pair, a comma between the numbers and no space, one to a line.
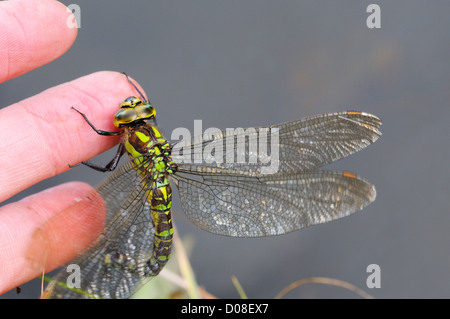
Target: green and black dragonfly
(231,197)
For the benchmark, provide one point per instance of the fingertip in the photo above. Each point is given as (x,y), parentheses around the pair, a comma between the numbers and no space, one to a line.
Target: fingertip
(33,33)
(47,229)
(68,233)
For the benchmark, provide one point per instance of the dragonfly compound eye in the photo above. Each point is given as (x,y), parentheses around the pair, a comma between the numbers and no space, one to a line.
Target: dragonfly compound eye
(145,111)
(126,114)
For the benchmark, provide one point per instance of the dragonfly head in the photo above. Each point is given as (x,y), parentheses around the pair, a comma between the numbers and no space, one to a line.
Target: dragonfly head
(133,109)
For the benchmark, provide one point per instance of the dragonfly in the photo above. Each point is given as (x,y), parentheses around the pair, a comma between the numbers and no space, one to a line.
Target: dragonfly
(238,198)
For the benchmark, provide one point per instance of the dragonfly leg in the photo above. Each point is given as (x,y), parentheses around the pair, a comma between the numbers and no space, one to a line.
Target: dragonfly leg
(113,163)
(108,167)
(100,132)
(135,87)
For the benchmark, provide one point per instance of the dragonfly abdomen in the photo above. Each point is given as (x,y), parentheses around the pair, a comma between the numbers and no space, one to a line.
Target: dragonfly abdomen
(151,154)
(160,204)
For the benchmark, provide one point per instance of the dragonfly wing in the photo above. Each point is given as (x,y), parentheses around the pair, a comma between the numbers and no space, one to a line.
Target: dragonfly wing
(236,205)
(302,145)
(127,240)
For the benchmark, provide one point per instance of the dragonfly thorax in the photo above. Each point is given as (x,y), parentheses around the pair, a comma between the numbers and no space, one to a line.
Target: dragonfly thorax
(149,150)
(133,109)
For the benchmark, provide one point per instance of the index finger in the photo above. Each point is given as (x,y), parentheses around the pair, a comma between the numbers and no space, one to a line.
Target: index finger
(44,134)
(32,33)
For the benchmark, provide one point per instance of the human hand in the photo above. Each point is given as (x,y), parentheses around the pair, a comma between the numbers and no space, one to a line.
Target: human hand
(40,136)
